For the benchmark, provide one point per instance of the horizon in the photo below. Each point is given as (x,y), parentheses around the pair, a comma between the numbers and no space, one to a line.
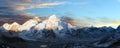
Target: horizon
(68,20)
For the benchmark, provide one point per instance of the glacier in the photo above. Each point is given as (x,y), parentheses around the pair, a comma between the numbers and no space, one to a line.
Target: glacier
(55,30)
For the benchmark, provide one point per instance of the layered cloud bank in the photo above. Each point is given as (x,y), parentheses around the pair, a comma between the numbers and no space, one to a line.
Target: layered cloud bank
(97,22)
(58,31)
(18,7)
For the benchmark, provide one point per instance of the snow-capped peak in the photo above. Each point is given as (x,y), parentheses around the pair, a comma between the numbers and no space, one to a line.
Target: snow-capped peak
(14,26)
(6,26)
(51,23)
(29,24)
(53,18)
(36,18)
(34,25)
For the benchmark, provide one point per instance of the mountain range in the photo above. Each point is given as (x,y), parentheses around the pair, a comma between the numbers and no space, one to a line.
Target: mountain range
(56,30)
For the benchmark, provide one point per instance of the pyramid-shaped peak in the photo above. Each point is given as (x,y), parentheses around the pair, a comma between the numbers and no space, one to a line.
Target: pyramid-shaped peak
(15,23)
(36,18)
(53,18)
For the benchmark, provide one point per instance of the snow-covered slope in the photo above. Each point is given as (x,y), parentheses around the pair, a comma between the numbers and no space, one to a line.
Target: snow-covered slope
(14,26)
(29,24)
(52,23)
(29,29)
(10,30)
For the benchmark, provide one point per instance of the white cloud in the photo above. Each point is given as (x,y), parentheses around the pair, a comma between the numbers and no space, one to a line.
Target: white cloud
(78,3)
(11,7)
(43,5)
(98,22)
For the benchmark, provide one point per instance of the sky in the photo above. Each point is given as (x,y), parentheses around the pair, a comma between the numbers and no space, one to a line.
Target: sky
(87,12)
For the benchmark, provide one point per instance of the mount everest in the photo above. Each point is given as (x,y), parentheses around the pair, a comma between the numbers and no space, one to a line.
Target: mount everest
(35,25)
(54,29)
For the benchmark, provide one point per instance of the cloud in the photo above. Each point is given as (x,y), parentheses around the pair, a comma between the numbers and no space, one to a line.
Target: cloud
(98,22)
(16,7)
(19,8)
(18,1)
(27,4)
(42,5)
(112,23)
(13,7)
(49,4)
(69,20)
(77,3)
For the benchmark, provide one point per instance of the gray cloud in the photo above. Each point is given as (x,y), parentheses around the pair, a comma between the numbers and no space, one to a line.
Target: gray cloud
(69,20)
(16,7)
(9,7)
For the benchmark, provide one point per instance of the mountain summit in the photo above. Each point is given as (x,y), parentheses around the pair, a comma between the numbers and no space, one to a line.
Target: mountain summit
(13,27)
(51,23)
(53,18)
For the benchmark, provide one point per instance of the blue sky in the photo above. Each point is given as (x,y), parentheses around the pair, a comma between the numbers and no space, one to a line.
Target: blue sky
(86,12)
(81,8)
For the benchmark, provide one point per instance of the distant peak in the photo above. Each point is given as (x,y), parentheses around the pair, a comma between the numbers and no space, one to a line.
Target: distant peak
(53,18)
(36,18)
(15,23)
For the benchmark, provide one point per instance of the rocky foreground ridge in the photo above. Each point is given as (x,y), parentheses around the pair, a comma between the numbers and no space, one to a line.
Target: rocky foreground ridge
(56,31)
